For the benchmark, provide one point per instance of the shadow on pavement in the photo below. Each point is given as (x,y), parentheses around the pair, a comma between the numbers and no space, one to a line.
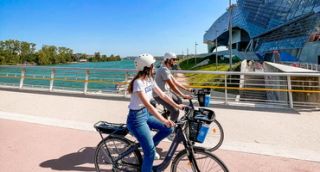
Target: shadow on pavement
(161,152)
(73,161)
(85,156)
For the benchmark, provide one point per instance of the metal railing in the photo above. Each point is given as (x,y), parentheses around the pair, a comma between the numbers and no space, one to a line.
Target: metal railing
(280,89)
(81,80)
(310,66)
(293,90)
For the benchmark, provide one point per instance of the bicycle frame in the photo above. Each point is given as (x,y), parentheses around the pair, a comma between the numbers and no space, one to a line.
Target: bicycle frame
(180,137)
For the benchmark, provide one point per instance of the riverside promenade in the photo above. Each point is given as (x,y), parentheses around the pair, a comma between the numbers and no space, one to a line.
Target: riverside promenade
(46,132)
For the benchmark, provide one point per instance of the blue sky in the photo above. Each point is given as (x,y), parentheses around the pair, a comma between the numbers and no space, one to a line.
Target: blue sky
(124,27)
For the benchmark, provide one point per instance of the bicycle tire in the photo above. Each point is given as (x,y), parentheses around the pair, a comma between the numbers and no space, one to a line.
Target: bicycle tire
(206,161)
(111,147)
(214,138)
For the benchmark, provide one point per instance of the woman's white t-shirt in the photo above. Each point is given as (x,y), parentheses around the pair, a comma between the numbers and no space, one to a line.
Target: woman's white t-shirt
(141,85)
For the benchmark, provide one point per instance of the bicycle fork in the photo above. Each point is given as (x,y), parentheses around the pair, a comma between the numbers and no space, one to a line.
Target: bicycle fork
(192,160)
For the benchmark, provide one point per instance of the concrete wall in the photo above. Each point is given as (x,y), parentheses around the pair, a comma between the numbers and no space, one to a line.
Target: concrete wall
(298,83)
(310,52)
(274,82)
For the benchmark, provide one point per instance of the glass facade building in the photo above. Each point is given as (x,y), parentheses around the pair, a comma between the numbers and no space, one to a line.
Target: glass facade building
(289,28)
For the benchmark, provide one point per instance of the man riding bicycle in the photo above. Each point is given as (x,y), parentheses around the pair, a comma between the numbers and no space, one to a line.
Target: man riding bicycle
(168,84)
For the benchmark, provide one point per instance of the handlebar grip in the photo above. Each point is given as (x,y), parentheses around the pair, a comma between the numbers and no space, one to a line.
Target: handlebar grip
(186,108)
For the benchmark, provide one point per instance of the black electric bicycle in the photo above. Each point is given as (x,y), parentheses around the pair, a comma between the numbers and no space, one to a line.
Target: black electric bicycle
(215,134)
(118,153)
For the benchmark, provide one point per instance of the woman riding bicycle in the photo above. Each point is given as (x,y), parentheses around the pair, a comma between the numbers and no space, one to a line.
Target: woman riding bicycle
(139,121)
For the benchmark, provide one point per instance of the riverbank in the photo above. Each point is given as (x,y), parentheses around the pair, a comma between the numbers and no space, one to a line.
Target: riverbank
(181,78)
(204,64)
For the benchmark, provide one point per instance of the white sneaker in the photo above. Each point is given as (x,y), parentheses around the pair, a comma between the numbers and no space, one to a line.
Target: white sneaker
(156,156)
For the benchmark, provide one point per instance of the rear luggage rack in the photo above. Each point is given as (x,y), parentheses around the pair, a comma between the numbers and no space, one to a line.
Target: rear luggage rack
(104,127)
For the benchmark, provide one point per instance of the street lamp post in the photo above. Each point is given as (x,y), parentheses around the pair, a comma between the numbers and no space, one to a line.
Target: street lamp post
(216,50)
(187,52)
(195,52)
(230,34)
(188,56)
(182,55)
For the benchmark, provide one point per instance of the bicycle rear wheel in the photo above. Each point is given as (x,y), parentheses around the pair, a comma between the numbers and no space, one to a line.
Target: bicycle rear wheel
(109,149)
(214,137)
(206,161)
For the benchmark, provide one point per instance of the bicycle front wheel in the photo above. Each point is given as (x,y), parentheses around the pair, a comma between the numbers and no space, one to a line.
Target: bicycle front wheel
(206,161)
(214,137)
(109,149)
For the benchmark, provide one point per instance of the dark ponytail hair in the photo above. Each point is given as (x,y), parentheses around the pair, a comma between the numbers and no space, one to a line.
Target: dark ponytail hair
(146,72)
(166,61)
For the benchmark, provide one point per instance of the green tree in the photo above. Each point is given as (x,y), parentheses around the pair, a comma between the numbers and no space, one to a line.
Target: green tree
(2,59)
(64,55)
(17,52)
(104,58)
(97,57)
(10,50)
(48,55)
(27,52)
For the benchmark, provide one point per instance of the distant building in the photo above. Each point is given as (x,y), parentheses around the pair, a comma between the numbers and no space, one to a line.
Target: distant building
(83,60)
(284,30)
(130,57)
(81,57)
(133,57)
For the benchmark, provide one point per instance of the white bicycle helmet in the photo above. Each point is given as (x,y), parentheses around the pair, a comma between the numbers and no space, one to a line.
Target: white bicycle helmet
(169,56)
(144,60)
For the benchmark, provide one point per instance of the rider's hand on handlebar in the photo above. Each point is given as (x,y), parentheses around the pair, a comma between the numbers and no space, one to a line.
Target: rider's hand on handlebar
(181,106)
(169,123)
(192,90)
(187,97)
(186,108)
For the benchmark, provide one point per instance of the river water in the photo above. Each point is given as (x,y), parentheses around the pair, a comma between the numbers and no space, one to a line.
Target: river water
(68,79)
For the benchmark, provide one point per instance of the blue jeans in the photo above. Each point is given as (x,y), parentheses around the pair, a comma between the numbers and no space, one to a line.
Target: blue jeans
(139,123)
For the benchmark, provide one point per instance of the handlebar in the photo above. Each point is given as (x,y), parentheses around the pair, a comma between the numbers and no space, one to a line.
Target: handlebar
(196,92)
(204,115)
(187,111)
(191,104)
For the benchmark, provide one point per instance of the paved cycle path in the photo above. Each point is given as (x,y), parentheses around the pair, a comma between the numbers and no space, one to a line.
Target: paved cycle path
(255,138)
(39,148)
